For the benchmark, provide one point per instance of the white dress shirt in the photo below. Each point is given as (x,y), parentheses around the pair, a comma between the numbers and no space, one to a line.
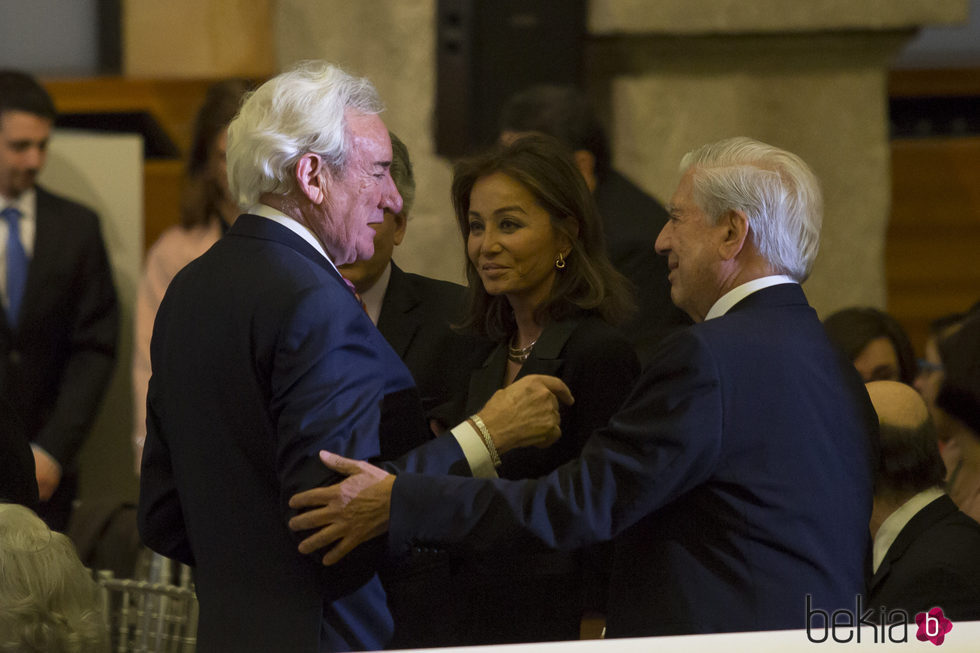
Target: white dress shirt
(374,296)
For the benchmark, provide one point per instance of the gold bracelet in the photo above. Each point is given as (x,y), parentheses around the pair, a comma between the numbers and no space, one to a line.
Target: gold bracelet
(487,440)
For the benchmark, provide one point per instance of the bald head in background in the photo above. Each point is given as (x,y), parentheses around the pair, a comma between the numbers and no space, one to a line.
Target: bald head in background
(909,462)
(924,547)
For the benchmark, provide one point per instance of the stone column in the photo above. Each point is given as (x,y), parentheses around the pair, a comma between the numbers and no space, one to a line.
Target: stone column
(391,42)
(806,76)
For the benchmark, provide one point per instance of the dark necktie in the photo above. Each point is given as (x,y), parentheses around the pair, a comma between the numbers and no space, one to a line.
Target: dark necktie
(16,264)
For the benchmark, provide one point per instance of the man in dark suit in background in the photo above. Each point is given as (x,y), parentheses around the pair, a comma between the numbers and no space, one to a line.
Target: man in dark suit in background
(736,477)
(631,219)
(261,356)
(17,482)
(60,322)
(415,313)
(926,552)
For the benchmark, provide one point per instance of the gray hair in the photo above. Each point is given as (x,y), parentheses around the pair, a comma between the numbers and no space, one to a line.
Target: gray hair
(401,173)
(775,189)
(48,600)
(297,112)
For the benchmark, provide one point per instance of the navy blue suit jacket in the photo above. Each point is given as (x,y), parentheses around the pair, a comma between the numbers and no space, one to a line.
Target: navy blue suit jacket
(261,357)
(737,477)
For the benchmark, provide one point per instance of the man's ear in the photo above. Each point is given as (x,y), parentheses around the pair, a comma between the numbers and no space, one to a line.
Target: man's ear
(736,226)
(401,224)
(311,177)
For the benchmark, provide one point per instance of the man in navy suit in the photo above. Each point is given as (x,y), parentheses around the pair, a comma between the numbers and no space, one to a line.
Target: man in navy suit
(925,549)
(262,355)
(60,318)
(736,478)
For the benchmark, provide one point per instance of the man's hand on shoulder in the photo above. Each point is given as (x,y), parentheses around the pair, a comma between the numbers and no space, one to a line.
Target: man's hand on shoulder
(346,514)
(525,413)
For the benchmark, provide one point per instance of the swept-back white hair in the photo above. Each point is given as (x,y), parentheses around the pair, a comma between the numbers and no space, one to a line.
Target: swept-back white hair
(776,190)
(296,112)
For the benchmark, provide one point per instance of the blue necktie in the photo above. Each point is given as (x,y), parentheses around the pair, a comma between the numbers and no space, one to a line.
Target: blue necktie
(16,265)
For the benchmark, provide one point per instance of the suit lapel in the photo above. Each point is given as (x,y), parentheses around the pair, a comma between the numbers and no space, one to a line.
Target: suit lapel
(922,521)
(399,320)
(545,358)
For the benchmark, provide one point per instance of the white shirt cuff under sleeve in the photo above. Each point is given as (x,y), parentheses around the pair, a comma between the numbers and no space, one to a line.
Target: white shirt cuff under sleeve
(475,452)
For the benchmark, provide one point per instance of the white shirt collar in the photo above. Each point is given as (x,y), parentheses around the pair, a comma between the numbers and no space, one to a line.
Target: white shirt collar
(737,294)
(293,225)
(27,205)
(895,522)
(374,296)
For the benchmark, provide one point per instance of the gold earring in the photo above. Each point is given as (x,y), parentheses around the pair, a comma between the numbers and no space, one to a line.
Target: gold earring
(560,261)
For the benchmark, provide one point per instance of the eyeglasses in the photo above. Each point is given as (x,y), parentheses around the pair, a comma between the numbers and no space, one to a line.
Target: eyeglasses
(928,366)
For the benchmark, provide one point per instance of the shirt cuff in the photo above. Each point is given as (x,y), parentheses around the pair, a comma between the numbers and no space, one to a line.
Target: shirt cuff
(475,452)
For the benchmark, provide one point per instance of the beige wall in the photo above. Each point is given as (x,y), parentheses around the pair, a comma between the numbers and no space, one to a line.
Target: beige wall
(393,43)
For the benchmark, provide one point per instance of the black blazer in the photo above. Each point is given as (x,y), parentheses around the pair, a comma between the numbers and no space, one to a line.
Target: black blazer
(737,476)
(632,220)
(261,357)
(54,368)
(935,560)
(17,478)
(595,362)
(416,314)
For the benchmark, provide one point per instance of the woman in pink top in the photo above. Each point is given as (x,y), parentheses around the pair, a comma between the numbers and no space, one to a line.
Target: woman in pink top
(206,211)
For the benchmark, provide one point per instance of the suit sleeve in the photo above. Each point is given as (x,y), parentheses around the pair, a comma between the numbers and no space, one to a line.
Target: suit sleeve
(663,441)
(160,516)
(93,339)
(328,383)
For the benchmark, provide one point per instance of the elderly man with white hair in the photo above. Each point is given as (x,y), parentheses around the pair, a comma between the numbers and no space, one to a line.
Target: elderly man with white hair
(737,475)
(262,355)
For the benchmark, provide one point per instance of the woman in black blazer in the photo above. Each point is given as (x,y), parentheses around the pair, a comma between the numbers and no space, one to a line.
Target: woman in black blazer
(540,286)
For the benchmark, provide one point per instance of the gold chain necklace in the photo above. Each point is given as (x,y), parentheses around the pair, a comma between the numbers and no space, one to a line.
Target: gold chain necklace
(519,354)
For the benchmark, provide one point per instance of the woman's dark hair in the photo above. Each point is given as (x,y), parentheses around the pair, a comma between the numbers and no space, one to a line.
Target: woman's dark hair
(588,283)
(851,329)
(959,350)
(203,197)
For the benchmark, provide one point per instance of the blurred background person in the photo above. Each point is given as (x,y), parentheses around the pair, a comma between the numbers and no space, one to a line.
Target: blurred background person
(542,288)
(925,549)
(207,209)
(631,218)
(17,482)
(959,399)
(950,432)
(415,313)
(60,323)
(875,342)
(49,602)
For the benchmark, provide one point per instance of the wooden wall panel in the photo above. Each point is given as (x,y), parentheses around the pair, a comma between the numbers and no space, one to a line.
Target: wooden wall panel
(932,252)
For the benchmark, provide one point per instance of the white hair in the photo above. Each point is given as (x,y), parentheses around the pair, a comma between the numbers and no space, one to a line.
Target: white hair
(775,189)
(297,112)
(48,600)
